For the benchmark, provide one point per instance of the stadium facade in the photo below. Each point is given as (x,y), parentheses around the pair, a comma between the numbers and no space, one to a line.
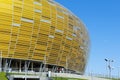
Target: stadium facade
(41,35)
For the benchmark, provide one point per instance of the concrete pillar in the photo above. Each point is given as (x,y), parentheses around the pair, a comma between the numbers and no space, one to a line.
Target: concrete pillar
(41,68)
(5,65)
(9,65)
(11,78)
(25,70)
(1,61)
(20,66)
(0,64)
(31,66)
(25,66)
(53,68)
(16,65)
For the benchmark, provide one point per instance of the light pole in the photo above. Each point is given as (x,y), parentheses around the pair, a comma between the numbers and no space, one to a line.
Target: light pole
(118,72)
(109,66)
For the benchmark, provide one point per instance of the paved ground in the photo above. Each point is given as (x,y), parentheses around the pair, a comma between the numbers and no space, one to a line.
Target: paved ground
(77,76)
(95,78)
(43,76)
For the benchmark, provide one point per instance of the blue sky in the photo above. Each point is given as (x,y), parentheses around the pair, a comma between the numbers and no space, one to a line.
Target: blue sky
(102,18)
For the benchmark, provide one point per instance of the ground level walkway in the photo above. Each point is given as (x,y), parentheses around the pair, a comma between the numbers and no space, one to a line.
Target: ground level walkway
(77,76)
(43,76)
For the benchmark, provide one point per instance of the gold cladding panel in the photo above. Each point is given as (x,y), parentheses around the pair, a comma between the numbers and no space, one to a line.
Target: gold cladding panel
(42,30)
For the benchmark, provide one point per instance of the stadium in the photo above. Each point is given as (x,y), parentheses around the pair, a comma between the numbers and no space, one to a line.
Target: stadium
(41,35)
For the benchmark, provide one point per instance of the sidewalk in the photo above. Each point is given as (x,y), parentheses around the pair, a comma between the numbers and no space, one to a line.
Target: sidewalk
(76,76)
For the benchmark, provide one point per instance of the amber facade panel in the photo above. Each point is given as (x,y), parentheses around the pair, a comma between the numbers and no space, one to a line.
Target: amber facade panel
(42,30)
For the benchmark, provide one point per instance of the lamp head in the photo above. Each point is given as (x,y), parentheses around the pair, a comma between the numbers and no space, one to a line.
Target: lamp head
(106,60)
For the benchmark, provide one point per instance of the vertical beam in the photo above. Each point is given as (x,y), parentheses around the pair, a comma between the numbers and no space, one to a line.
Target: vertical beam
(6,65)
(53,69)
(44,67)
(16,65)
(3,64)
(66,64)
(25,66)
(1,61)
(40,67)
(20,66)
(25,69)
(28,65)
(40,70)
(9,65)
(32,66)
(0,65)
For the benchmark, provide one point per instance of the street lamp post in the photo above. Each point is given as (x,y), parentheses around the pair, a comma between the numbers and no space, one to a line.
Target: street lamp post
(109,66)
(118,72)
